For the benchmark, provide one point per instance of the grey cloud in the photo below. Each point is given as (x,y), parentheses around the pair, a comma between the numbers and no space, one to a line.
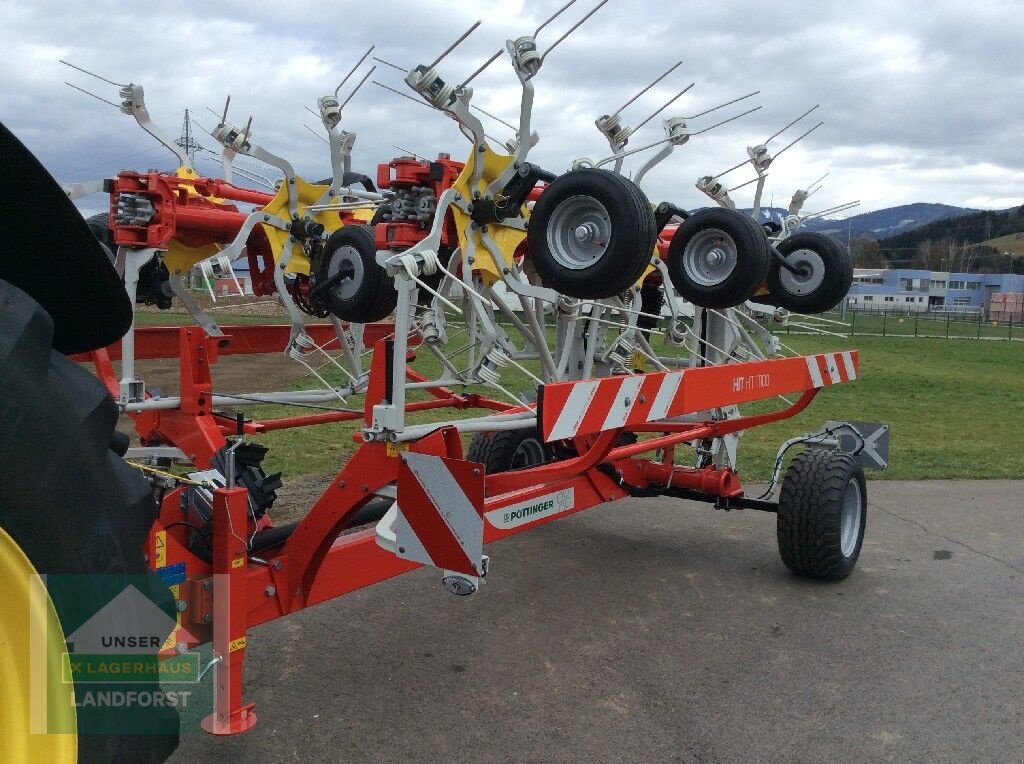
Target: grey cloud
(919,101)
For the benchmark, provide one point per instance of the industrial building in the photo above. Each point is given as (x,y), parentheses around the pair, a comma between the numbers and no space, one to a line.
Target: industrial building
(914,290)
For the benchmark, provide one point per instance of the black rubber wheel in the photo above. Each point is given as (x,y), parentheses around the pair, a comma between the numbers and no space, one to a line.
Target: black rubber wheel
(75,507)
(718,258)
(592,234)
(366,292)
(100,227)
(822,514)
(825,279)
(508,450)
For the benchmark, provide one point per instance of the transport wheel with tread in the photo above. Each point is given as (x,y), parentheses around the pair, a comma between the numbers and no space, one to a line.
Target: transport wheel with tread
(507,450)
(822,514)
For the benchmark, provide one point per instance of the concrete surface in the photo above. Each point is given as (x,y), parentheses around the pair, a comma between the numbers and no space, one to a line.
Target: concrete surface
(659,630)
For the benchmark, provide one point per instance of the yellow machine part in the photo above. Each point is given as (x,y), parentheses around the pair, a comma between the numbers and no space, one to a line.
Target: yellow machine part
(26,715)
(505,237)
(307,194)
(179,258)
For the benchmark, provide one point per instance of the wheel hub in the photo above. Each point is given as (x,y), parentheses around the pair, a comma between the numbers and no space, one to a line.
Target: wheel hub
(586,233)
(578,232)
(346,261)
(849,524)
(710,257)
(810,272)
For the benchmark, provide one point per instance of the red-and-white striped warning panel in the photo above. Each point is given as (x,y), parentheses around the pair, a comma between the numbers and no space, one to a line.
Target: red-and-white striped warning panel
(571,409)
(440,513)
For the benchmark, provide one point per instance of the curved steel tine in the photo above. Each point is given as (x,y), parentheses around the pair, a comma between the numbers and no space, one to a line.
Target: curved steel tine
(572,29)
(553,16)
(353,70)
(356,88)
(726,121)
(721,105)
(98,98)
(664,106)
(388,63)
(315,133)
(404,95)
(454,45)
(479,69)
(496,119)
(666,73)
(777,133)
(798,138)
(747,183)
(92,74)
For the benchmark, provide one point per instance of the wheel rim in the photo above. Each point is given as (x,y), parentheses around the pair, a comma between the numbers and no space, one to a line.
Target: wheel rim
(811,272)
(849,527)
(28,616)
(346,260)
(529,453)
(578,232)
(709,257)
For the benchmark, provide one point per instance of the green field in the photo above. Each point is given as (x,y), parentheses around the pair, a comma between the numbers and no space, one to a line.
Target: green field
(954,408)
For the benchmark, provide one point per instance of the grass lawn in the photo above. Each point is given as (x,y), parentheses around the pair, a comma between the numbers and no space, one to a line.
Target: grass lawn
(954,408)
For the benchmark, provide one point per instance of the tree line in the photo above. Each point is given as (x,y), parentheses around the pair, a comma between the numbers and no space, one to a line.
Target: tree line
(951,244)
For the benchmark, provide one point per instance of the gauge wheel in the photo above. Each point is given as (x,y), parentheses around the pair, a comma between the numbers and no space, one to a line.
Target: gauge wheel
(363,292)
(591,234)
(718,258)
(823,278)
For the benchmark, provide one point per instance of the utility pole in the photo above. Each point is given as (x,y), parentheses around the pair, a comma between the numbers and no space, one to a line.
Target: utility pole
(186,141)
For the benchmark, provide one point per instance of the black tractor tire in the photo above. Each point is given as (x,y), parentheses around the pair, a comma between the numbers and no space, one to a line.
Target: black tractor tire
(75,507)
(507,450)
(822,514)
(368,293)
(825,280)
(718,258)
(100,227)
(592,234)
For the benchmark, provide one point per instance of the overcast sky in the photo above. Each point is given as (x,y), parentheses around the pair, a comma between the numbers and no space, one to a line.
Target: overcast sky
(921,101)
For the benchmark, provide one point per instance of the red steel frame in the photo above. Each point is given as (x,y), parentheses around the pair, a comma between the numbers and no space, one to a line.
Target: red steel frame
(314,564)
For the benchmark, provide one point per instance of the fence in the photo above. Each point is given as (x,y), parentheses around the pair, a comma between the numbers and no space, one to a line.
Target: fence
(914,324)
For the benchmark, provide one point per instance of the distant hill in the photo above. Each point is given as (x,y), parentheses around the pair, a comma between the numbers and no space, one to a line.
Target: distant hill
(970,228)
(879,224)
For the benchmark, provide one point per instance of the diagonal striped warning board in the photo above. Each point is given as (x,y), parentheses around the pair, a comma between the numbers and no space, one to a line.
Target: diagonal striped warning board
(440,513)
(571,409)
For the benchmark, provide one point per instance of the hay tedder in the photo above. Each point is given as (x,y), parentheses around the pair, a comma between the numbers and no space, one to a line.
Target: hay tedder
(590,345)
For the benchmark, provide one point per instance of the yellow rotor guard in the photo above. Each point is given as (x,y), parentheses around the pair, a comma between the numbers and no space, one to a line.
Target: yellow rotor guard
(307,194)
(179,258)
(505,237)
(26,616)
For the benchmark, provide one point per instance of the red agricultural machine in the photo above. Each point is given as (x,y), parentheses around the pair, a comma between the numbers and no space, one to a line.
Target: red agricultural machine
(588,345)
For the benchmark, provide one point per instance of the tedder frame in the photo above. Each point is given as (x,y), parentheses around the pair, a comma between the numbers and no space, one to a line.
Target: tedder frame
(241,585)
(582,267)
